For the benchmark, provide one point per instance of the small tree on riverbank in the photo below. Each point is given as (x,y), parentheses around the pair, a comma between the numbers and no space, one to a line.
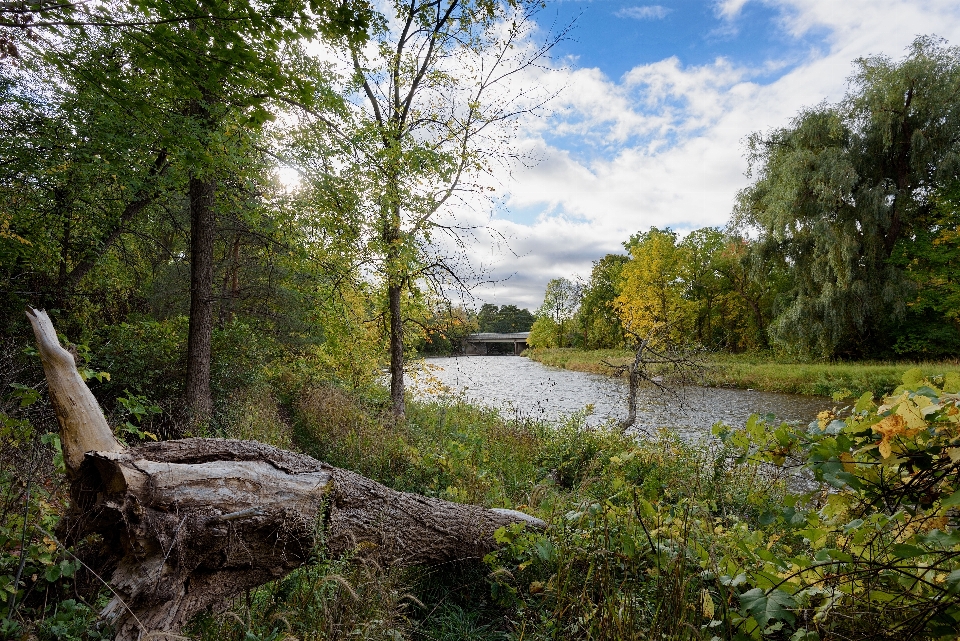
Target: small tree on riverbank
(660,363)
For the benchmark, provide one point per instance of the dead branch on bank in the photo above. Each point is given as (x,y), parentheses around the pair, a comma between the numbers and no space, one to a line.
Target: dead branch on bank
(658,362)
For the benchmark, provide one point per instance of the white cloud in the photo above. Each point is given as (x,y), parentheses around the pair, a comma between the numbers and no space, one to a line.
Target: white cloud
(644,12)
(663,145)
(729,9)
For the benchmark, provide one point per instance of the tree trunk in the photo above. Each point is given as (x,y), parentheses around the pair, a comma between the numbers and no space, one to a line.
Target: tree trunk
(187,524)
(202,231)
(396,272)
(394,293)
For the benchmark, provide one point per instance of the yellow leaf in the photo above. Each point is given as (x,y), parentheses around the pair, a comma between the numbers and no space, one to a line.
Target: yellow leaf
(896,425)
(847,459)
(885,448)
(911,415)
(708,606)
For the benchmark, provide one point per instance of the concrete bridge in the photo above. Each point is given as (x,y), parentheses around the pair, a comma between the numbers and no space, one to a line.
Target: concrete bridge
(476,344)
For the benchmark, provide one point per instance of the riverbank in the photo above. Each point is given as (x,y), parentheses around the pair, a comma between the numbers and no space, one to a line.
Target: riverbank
(763,373)
(651,537)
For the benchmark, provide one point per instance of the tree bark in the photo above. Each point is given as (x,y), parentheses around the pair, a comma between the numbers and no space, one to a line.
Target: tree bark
(187,524)
(396,272)
(394,293)
(202,231)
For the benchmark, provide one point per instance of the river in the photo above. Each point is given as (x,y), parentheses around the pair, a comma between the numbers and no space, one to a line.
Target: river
(523,388)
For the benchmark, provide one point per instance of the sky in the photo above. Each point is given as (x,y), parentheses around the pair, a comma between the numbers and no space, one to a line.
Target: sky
(654,107)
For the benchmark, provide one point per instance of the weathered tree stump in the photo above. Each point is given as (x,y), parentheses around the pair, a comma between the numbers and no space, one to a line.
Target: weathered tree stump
(189,523)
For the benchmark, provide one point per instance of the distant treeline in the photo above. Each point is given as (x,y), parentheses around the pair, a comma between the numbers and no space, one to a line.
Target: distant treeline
(846,245)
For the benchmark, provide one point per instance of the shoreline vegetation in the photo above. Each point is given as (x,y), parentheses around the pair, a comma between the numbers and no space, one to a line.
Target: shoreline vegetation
(646,538)
(761,372)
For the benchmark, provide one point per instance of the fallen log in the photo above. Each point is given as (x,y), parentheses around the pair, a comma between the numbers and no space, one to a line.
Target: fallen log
(189,523)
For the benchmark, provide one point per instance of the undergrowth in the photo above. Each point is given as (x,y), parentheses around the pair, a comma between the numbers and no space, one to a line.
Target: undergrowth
(771,532)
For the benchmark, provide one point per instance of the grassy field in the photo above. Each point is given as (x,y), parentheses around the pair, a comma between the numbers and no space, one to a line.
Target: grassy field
(762,372)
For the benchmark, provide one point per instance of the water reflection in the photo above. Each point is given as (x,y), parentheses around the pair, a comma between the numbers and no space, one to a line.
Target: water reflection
(524,388)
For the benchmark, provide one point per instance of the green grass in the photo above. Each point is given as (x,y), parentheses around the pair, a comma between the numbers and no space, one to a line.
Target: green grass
(763,372)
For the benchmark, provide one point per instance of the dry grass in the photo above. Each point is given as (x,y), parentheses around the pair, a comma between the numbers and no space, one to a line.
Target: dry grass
(253,414)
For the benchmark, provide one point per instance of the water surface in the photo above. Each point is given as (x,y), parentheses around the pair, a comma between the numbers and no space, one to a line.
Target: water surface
(521,387)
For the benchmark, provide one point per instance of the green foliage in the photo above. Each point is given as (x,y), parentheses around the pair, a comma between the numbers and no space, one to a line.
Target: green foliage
(37,575)
(504,319)
(326,599)
(877,539)
(135,409)
(599,323)
(932,324)
(848,188)
(556,314)
(447,329)
(544,333)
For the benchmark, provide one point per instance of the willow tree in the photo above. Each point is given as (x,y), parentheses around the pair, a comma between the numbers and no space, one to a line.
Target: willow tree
(431,99)
(838,190)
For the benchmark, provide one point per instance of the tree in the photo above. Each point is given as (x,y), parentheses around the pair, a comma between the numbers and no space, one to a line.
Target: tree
(225,62)
(700,251)
(843,186)
(217,67)
(95,169)
(429,98)
(751,284)
(597,318)
(560,303)
(487,317)
(187,524)
(932,262)
(652,293)
(76,171)
(505,319)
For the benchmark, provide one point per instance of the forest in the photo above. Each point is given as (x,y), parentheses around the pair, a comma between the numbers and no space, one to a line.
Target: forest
(238,217)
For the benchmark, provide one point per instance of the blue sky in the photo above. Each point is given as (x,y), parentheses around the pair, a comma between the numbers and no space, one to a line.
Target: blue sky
(655,103)
(617,35)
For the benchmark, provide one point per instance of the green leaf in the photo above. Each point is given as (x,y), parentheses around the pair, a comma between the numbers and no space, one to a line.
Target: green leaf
(953,582)
(53,573)
(951,383)
(864,403)
(912,377)
(951,501)
(904,551)
(765,607)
